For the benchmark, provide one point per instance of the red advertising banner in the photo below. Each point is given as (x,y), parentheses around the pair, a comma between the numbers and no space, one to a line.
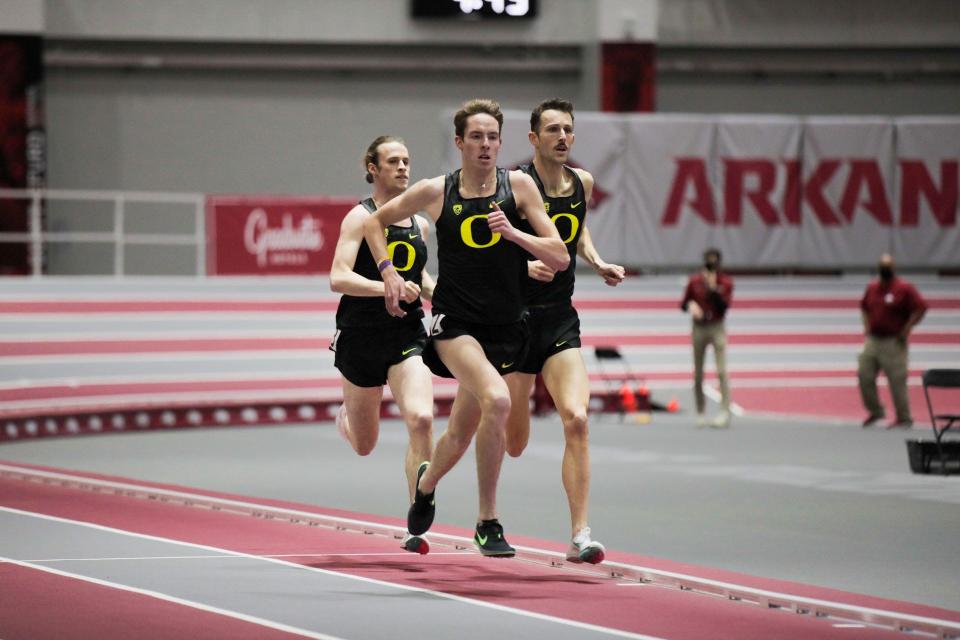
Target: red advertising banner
(264,235)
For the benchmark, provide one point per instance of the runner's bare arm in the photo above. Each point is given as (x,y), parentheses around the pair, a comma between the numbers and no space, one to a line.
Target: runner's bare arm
(343,279)
(546,245)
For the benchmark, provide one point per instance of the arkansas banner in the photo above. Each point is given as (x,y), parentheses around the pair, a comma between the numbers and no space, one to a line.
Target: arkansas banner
(265,235)
(772,192)
(928,151)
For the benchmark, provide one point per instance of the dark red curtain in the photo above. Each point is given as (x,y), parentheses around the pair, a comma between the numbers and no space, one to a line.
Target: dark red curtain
(22,140)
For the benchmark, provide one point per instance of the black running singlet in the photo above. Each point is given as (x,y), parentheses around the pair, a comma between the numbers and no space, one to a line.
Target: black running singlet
(408,252)
(480,275)
(567,213)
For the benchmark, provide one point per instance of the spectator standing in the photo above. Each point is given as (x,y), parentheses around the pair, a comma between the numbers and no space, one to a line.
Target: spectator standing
(707,297)
(890,308)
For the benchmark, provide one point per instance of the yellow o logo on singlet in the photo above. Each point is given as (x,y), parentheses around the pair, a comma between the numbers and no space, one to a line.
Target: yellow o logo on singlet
(411,255)
(574,225)
(466,233)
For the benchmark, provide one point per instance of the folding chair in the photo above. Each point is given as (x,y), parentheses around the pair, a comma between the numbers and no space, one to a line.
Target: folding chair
(948,452)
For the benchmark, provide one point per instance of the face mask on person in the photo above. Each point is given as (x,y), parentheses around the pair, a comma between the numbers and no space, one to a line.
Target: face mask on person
(886,272)
(710,264)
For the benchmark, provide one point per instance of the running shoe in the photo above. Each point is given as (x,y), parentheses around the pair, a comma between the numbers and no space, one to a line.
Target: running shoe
(416,544)
(420,515)
(583,549)
(721,421)
(489,539)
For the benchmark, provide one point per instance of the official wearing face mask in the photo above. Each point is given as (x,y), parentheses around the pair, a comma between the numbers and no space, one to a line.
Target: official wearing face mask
(890,308)
(707,297)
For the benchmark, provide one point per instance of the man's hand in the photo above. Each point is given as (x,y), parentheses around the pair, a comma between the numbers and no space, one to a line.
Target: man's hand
(394,288)
(539,271)
(612,274)
(695,311)
(498,223)
(411,291)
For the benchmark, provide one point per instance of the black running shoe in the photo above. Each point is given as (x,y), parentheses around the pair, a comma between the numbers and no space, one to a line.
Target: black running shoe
(489,539)
(416,544)
(420,515)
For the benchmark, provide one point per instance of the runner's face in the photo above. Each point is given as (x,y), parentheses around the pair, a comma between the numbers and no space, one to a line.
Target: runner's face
(555,138)
(480,143)
(394,170)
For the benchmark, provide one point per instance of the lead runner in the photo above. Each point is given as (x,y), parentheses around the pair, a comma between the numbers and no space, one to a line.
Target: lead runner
(477,333)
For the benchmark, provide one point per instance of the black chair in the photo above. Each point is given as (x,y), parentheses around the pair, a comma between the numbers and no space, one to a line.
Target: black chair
(942,422)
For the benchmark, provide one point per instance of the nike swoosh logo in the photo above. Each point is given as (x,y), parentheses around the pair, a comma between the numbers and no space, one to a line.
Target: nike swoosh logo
(403,353)
(574,206)
(498,203)
(481,539)
(505,365)
(560,344)
(412,236)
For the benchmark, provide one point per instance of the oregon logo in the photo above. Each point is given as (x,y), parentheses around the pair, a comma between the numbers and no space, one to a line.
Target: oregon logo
(457,209)
(574,225)
(546,207)
(466,233)
(411,255)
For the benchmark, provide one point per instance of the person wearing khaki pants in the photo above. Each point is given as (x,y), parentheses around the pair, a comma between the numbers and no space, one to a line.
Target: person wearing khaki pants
(890,356)
(890,308)
(707,298)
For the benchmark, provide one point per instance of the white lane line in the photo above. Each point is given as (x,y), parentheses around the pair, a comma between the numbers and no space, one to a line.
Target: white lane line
(646,573)
(270,624)
(229,557)
(301,567)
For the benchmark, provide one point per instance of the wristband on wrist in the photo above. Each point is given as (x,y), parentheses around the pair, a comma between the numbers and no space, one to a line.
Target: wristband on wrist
(383,264)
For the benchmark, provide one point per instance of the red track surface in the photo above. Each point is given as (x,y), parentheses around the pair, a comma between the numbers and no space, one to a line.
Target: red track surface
(87,610)
(647,609)
(204,345)
(260,306)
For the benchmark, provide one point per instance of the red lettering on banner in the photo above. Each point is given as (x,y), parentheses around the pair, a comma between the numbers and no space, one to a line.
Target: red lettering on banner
(692,172)
(813,192)
(866,173)
(735,174)
(864,188)
(943,201)
(792,196)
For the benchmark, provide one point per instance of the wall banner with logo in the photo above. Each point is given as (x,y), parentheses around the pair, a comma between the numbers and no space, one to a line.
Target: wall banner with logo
(772,192)
(264,235)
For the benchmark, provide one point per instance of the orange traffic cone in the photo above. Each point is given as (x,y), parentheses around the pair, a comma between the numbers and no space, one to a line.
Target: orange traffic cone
(674,405)
(628,401)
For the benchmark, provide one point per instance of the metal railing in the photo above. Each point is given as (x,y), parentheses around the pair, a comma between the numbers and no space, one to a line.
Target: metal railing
(38,237)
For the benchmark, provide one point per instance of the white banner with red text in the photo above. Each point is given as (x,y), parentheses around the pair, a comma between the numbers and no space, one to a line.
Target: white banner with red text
(772,192)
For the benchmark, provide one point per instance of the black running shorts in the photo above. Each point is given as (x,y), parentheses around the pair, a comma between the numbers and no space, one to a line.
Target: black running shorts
(365,354)
(552,329)
(504,345)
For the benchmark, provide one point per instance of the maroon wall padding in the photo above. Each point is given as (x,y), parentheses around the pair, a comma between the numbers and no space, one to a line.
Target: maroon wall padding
(628,76)
(22,140)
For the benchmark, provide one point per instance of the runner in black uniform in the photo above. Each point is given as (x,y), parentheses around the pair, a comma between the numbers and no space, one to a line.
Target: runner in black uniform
(553,321)
(477,332)
(371,347)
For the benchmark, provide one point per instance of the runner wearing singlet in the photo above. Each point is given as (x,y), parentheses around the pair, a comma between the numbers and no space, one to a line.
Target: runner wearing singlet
(477,332)
(553,321)
(371,347)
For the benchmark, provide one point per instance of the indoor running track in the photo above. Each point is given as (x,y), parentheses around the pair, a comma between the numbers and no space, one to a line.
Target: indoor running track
(90,556)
